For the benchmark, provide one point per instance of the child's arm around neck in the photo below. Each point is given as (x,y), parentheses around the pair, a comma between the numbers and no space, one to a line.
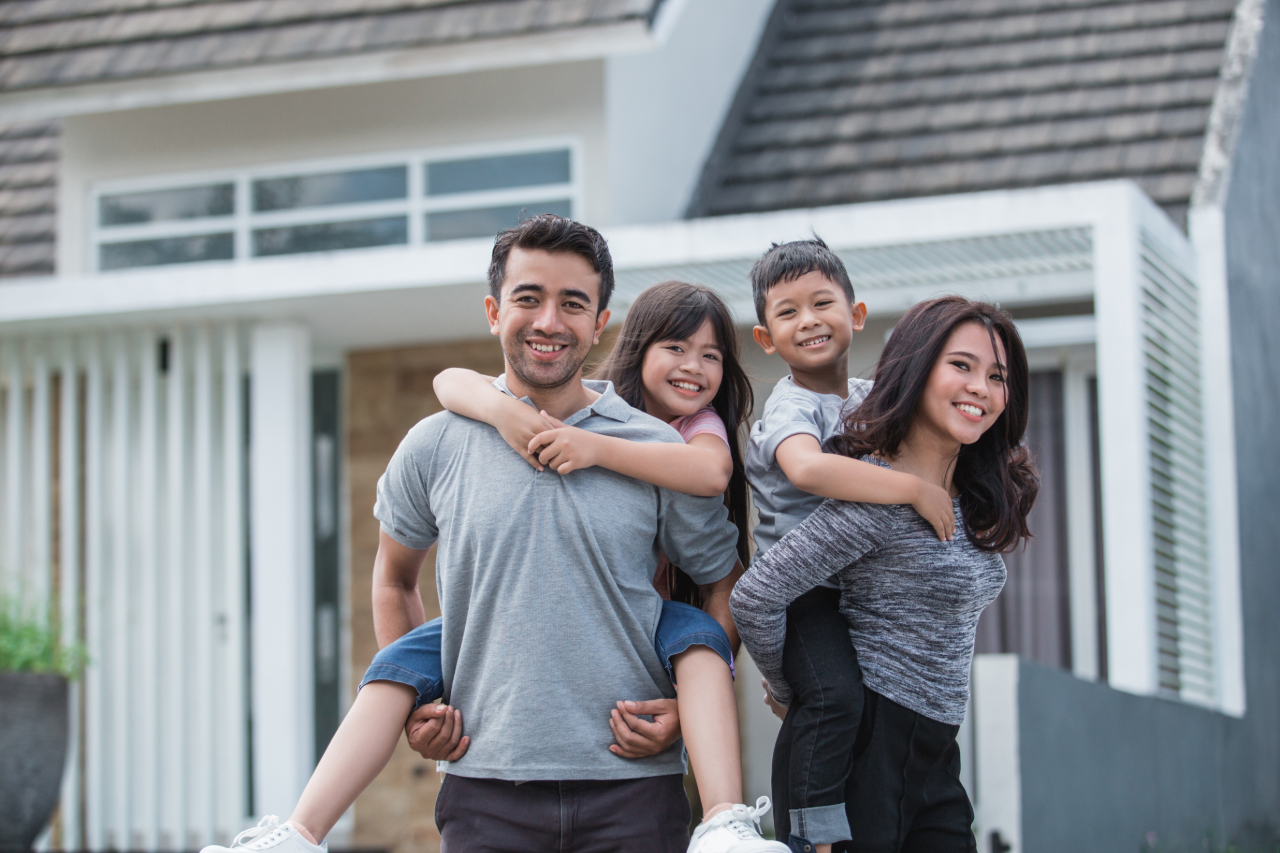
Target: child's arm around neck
(702,467)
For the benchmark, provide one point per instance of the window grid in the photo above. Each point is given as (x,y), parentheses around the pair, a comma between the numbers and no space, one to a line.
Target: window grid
(416,206)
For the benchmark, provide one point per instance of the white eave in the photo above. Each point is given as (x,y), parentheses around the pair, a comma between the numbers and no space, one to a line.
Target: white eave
(569,45)
(1016,247)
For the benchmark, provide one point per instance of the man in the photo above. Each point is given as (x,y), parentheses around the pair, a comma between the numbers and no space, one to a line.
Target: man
(545,582)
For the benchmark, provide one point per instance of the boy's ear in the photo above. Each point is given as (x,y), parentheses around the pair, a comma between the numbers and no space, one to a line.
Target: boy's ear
(859,315)
(764,339)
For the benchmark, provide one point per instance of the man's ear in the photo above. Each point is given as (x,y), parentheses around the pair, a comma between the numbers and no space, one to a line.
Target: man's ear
(859,315)
(491,312)
(764,339)
(602,320)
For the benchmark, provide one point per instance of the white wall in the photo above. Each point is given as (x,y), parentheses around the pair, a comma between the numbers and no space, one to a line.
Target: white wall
(484,107)
(664,108)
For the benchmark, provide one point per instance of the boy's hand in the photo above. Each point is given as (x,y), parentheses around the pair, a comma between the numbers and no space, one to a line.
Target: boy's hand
(779,710)
(435,732)
(518,429)
(564,448)
(637,738)
(934,505)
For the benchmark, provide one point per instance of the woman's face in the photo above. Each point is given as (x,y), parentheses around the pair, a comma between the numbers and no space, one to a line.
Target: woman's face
(680,377)
(966,392)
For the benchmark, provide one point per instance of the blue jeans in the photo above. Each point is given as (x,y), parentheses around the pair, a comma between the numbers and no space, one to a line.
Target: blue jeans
(414,659)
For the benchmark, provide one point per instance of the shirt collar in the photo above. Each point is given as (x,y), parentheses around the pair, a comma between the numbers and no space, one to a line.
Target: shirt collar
(608,404)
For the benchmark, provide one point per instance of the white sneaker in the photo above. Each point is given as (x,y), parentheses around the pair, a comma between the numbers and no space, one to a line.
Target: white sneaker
(270,834)
(735,830)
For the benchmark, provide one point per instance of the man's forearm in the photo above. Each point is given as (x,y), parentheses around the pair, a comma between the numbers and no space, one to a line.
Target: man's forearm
(397,605)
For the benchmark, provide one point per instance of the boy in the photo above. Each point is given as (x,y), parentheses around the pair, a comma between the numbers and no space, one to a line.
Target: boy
(808,313)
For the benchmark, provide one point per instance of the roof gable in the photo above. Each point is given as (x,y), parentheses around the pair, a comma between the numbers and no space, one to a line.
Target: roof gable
(851,101)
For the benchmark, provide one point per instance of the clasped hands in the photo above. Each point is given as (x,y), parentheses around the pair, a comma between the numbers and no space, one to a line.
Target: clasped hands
(435,731)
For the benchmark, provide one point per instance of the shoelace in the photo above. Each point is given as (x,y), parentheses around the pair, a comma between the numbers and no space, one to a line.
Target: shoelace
(736,818)
(265,827)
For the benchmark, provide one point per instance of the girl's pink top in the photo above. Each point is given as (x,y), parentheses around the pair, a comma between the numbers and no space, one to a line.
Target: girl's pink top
(703,420)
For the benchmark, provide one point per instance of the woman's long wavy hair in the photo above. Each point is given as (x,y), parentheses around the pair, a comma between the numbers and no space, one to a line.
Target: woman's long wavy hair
(995,475)
(674,311)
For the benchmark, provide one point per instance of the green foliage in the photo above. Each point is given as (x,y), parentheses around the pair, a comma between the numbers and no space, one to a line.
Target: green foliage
(29,643)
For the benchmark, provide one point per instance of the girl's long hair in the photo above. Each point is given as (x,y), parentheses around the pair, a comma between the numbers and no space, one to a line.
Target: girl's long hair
(674,311)
(995,475)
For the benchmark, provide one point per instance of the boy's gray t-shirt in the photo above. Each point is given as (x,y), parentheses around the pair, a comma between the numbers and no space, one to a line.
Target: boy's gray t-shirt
(790,410)
(545,586)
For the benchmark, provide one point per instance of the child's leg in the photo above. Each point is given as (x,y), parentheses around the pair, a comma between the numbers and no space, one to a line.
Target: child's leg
(709,723)
(402,676)
(699,660)
(360,748)
(821,666)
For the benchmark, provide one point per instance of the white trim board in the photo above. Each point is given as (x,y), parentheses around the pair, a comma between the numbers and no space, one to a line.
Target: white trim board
(573,45)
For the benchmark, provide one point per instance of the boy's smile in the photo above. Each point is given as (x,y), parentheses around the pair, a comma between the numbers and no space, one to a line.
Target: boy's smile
(810,324)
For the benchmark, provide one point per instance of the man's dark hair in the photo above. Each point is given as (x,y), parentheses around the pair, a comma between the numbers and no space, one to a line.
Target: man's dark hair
(552,233)
(788,261)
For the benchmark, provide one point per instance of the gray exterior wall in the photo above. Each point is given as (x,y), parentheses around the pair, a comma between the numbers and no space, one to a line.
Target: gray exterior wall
(1102,769)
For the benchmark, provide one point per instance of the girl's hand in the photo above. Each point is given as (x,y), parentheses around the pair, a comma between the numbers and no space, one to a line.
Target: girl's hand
(518,427)
(934,505)
(564,448)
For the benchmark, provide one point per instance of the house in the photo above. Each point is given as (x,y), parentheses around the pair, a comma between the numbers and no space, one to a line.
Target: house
(238,238)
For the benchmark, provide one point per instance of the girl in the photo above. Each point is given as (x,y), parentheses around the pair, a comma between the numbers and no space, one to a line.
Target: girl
(677,359)
(949,405)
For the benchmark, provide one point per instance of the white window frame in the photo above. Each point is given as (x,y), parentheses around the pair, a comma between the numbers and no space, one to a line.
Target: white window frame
(416,206)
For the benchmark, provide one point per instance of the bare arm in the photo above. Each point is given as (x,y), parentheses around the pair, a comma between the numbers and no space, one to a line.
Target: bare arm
(472,395)
(829,475)
(702,467)
(397,604)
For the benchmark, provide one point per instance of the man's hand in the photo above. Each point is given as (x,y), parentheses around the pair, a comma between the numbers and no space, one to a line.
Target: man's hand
(565,448)
(934,505)
(779,710)
(637,738)
(435,732)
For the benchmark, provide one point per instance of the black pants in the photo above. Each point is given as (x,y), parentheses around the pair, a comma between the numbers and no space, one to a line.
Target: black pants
(649,815)
(814,753)
(904,793)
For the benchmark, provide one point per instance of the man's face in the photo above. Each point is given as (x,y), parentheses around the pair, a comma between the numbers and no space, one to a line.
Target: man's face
(546,317)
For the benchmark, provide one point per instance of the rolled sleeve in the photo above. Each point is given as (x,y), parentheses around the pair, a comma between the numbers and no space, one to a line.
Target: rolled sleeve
(788,417)
(696,535)
(403,506)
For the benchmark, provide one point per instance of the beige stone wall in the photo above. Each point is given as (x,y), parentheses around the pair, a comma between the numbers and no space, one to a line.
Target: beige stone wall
(387,392)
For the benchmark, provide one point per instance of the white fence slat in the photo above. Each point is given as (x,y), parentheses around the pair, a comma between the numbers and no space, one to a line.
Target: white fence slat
(69,578)
(149,694)
(201,602)
(120,689)
(176,766)
(95,606)
(39,567)
(14,554)
(232,710)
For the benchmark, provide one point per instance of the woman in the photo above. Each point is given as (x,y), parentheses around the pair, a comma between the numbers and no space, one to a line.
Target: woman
(950,406)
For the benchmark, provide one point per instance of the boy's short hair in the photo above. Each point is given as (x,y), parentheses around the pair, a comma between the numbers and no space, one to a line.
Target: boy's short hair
(552,233)
(788,261)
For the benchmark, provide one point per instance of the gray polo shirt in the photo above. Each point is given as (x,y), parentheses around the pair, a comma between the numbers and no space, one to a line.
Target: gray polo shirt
(790,410)
(545,586)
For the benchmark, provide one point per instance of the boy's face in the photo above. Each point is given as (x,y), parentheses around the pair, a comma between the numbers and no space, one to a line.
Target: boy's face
(809,322)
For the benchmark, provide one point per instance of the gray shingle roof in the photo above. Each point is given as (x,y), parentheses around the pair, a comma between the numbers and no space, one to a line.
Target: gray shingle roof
(28,192)
(860,100)
(47,43)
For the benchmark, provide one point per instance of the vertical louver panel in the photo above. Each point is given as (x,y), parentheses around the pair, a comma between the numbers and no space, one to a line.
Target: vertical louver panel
(121,510)
(1175,417)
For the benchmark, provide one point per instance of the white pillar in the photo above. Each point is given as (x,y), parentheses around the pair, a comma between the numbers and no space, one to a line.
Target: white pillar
(997,753)
(280,565)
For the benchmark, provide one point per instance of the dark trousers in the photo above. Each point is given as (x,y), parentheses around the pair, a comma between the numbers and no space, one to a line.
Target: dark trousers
(814,752)
(649,815)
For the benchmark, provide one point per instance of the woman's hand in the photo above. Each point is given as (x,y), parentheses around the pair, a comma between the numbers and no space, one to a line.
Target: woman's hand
(565,448)
(779,710)
(934,505)
(519,425)
(637,738)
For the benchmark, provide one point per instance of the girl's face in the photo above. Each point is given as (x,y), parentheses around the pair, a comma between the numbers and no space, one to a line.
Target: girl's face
(966,389)
(680,377)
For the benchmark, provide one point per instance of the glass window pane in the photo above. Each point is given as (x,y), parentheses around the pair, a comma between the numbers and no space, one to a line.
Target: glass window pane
(494,173)
(326,236)
(168,250)
(167,205)
(332,188)
(487,221)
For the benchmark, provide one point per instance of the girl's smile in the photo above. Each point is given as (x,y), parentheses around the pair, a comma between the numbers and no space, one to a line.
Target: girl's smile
(681,377)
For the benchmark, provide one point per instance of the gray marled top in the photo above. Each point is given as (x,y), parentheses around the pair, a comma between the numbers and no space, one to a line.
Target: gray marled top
(912,601)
